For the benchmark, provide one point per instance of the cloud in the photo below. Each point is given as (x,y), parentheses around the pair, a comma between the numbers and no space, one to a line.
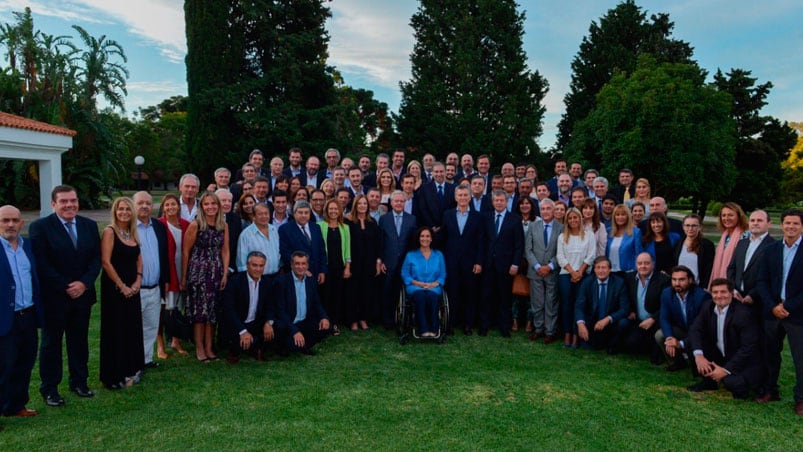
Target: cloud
(62,10)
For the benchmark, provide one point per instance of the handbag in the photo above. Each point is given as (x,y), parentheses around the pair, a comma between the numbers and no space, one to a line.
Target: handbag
(176,323)
(521,286)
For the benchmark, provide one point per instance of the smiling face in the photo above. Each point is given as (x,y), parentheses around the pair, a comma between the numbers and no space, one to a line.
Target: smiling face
(210,206)
(170,207)
(729,218)
(123,212)
(425,238)
(691,227)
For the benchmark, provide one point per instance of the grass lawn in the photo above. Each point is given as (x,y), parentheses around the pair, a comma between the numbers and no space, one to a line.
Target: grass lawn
(365,391)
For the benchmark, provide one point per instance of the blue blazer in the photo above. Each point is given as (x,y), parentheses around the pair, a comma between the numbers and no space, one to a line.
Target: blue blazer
(429,206)
(507,247)
(8,289)
(395,246)
(462,250)
(286,302)
(770,279)
(486,205)
(628,250)
(291,239)
(671,314)
(59,263)
(589,304)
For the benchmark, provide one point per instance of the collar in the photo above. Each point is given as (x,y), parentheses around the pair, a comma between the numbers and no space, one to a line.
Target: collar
(146,225)
(760,237)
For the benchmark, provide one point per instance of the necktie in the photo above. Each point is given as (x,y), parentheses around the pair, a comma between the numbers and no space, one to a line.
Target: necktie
(627,195)
(603,294)
(71,232)
(440,192)
(546,235)
(306,234)
(398,224)
(498,222)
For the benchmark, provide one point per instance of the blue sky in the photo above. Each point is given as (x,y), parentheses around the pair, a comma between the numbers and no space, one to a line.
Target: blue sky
(371,42)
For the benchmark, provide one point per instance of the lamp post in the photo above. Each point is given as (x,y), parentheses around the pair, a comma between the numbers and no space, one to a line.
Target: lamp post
(139,161)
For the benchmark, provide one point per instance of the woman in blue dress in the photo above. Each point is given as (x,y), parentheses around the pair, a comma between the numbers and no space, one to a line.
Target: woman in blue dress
(423,274)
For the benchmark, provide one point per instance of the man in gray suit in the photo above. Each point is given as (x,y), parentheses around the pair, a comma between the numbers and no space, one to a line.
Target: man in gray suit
(540,248)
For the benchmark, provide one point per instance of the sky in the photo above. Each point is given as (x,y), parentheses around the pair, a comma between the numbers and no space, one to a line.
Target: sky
(371,41)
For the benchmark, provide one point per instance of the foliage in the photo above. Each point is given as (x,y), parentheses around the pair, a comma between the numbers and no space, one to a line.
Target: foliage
(667,125)
(613,46)
(792,185)
(471,90)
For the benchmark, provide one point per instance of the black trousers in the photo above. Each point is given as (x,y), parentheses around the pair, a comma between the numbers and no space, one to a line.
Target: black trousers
(775,330)
(259,342)
(76,331)
(391,286)
(17,357)
(496,307)
(463,290)
(308,328)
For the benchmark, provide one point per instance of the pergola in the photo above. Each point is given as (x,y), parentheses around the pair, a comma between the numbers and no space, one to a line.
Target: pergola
(26,139)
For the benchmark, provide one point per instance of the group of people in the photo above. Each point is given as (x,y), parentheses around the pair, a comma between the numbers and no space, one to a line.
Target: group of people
(278,258)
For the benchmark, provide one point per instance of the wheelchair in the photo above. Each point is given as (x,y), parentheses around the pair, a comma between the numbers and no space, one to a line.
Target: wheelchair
(405,319)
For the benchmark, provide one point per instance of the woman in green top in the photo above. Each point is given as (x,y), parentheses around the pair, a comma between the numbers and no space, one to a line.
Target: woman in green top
(337,240)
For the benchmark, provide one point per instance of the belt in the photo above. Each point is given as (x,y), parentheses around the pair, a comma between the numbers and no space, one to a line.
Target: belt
(24,312)
(150,287)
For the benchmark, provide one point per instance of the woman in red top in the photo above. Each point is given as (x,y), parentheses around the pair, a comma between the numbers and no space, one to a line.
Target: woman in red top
(176,227)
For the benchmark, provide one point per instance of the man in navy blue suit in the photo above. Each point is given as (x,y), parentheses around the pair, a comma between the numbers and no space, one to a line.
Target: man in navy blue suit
(680,305)
(396,227)
(67,250)
(434,198)
(300,234)
(780,288)
(301,318)
(461,238)
(480,201)
(20,314)
(601,309)
(505,236)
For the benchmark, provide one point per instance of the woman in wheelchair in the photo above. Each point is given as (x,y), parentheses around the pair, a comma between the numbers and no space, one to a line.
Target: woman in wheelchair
(423,274)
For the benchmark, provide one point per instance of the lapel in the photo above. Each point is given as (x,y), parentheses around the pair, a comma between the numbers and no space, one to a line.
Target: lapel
(61,233)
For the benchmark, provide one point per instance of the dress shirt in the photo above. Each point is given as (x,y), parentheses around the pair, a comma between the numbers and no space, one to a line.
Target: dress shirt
(149,247)
(613,254)
(755,242)
(375,214)
(187,213)
(71,231)
(721,327)
(408,205)
(252,239)
(462,217)
(21,272)
(397,220)
(477,203)
(312,180)
(576,252)
(641,296)
(499,219)
(301,298)
(788,256)
(277,222)
(253,301)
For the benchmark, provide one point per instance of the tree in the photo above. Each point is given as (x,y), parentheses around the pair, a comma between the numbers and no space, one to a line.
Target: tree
(614,46)
(666,124)
(471,90)
(792,185)
(763,142)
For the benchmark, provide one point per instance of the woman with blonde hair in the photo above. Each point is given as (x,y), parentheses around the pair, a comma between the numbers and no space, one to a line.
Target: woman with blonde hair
(337,241)
(416,170)
(205,260)
(386,184)
(576,253)
(624,241)
(121,356)
(643,195)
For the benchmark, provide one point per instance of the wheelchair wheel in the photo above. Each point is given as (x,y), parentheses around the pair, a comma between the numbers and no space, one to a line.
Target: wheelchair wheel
(402,316)
(444,314)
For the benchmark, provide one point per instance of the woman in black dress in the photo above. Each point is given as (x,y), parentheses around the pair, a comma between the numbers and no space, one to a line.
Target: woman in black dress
(121,356)
(366,247)
(337,240)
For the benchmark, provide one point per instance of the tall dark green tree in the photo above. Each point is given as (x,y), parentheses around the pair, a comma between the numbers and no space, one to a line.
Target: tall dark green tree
(471,90)
(613,46)
(763,141)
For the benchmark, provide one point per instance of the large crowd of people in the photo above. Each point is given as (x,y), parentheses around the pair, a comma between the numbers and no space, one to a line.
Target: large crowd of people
(270,261)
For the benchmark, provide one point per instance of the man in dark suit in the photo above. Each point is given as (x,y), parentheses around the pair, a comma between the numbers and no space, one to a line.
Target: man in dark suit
(300,234)
(434,198)
(780,289)
(480,202)
(396,227)
(540,248)
(248,309)
(626,190)
(505,237)
(255,158)
(601,307)
(680,305)
(67,250)
(311,176)
(743,268)
(295,168)
(20,314)
(724,339)
(382,162)
(249,175)
(301,318)
(461,237)
(155,273)
(644,289)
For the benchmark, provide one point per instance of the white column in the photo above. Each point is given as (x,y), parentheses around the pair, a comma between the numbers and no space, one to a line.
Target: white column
(49,177)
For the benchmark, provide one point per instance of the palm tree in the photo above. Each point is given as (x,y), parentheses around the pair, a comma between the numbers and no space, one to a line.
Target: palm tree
(98,74)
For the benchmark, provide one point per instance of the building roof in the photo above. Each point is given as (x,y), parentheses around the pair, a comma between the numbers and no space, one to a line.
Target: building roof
(18,122)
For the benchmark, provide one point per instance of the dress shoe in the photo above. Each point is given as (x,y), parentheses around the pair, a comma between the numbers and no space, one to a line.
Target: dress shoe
(307,351)
(25,412)
(515,326)
(232,359)
(799,408)
(54,400)
(467,332)
(549,338)
(260,356)
(83,391)
(702,386)
(535,336)
(768,397)
(676,366)
(152,365)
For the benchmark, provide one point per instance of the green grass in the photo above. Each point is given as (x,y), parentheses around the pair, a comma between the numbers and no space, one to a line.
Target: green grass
(365,391)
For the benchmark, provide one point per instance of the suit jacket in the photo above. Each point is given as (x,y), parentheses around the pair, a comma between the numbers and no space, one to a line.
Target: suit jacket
(235,225)
(770,279)
(652,299)
(395,246)
(462,250)
(507,247)
(741,332)
(486,205)
(429,206)
(287,171)
(671,315)
(553,185)
(737,272)
(619,192)
(286,302)
(318,181)
(164,261)
(291,239)
(59,263)
(236,299)
(705,260)
(589,305)
(8,289)
(539,253)
(262,171)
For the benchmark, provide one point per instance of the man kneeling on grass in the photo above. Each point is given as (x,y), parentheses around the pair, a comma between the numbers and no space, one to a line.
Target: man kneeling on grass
(301,318)
(725,341)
